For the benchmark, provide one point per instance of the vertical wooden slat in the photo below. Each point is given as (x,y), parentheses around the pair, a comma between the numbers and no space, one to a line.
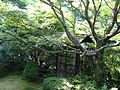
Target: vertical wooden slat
(65,64)
(77,64)
(56,63)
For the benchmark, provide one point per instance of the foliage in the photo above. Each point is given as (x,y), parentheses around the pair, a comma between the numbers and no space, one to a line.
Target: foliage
(24,32)
(31,71)
(97,19)
(10,67)
(10,61)
(20,3)
(54,83)
(33,25)
(113,67)
(81,82)
(3,70)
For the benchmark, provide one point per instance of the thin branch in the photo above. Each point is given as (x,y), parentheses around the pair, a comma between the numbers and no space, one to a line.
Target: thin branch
(89,22)
(108,5)
(31,44)
(49,4)
(113,34)
(96,11)
(91,53)
(114,45)
(74,26)
(114,19)
(77,10)
(72,38)
(117,31)
(63,22)
(83,3)
(95,8)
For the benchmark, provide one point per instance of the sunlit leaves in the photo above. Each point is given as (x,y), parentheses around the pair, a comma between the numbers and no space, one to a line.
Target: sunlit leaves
(35,24)
(20,3)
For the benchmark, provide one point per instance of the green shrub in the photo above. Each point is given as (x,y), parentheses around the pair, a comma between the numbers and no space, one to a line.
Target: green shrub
(54,83)
(3,70)
(9,63)
(81,82)
(10,67)
(31,71)
(77,83)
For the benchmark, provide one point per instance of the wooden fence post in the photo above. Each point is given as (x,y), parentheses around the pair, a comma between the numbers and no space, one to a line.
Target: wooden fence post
(56,63)
(77,64)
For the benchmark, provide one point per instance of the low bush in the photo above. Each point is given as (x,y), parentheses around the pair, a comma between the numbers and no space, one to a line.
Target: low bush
(3,70)
(81,82)
(10,66)
(9,63)
(54,83)
(31,71)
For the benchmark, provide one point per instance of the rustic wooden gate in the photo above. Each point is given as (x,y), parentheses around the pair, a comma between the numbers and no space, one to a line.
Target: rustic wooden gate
(65,64)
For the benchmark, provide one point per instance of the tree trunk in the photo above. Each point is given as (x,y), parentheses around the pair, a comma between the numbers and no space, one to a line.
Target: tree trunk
(99,74)
(99,65)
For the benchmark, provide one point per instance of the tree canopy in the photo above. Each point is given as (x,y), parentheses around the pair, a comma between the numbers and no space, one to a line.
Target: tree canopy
(86,28)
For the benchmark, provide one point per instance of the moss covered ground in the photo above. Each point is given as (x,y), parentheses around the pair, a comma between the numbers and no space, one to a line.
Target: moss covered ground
(15,82)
